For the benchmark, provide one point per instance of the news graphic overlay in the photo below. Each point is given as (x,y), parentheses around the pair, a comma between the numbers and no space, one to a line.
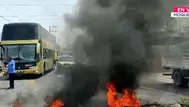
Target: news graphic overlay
(182,11)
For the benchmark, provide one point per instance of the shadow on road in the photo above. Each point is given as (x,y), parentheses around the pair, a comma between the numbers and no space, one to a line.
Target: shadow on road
(2,88)
(162,84)
(30,77)
(176,90)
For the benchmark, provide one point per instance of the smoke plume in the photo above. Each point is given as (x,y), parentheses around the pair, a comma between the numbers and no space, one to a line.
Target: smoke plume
(110,45)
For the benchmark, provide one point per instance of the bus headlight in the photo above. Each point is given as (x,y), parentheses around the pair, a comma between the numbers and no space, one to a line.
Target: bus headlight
(33,67)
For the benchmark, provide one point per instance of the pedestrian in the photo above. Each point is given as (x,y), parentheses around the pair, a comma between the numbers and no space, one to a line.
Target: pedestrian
(11,71)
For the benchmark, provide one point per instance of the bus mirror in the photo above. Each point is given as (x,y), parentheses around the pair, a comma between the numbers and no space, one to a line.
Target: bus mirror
(40,41)
(38,48)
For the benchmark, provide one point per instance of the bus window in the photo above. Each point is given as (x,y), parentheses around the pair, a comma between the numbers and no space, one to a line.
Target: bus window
(19,32)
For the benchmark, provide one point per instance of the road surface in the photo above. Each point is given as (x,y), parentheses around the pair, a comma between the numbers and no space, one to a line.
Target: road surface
(154,87)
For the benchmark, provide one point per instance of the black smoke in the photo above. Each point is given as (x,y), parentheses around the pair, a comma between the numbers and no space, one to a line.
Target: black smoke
(81,83)
(110,45)
(111,41)
(124,75)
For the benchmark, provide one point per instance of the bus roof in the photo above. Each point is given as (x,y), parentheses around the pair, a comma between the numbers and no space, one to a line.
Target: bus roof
(15,23)
(11,31)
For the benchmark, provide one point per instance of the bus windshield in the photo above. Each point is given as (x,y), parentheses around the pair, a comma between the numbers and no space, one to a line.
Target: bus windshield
(19,52)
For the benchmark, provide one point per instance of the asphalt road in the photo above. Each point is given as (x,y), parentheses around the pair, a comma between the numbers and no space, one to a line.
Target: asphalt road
(29,88)
(154,87)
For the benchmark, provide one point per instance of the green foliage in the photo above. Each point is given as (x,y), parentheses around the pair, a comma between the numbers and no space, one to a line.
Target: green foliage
(184,101)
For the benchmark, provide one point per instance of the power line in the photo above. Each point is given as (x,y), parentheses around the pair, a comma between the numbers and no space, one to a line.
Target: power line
(25,5)
(47,19)
(5,19)
(44,15)
(42,19)
(38,16)
(2,20)
(34,16)
(13,13)
(9,16)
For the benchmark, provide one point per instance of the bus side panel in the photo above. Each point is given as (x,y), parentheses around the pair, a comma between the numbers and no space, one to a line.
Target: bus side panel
(40,66)
(56,55)
(48,48)
(49,63)
(48,58)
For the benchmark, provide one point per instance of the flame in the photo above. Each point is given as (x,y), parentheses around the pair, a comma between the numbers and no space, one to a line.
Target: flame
(52,103)
(18,103)
(56,103)
(128,98)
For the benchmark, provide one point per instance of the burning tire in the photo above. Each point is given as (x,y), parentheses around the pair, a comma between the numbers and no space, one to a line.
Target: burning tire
(123,82)
(179,80)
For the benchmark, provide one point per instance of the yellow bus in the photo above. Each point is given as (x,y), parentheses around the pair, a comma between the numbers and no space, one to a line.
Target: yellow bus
(33,48)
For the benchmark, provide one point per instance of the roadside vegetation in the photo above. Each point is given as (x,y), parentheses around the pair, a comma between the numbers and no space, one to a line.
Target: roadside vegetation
(184,102)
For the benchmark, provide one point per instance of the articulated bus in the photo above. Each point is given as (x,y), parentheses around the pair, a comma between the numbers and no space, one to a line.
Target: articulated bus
(33,48)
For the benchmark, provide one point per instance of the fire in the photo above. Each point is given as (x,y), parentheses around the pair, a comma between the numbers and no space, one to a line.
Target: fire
(56,103)
(128,98)
(18,103)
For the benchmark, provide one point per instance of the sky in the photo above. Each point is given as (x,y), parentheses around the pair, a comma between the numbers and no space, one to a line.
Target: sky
(46,12)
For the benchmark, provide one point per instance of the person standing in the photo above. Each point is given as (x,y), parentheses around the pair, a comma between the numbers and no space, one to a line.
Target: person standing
(11,71)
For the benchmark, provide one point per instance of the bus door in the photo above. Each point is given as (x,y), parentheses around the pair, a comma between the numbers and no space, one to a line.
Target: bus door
(1,58)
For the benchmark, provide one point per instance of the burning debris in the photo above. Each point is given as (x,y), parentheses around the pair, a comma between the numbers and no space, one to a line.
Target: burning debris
(55,103)
(122,82)
(127,99)
(50,103)
(18,103)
